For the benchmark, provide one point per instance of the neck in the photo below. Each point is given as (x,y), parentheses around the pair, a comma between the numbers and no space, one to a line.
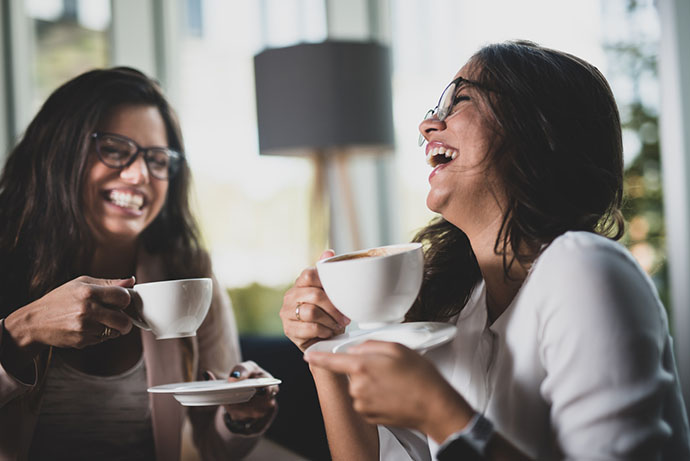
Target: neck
(114,261)
(501,288)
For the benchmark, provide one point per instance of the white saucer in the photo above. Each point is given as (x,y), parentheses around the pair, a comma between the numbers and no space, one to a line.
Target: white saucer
(420,336)
(214,392)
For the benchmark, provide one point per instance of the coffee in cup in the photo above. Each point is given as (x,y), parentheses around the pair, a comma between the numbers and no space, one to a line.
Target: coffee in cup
(170,308)
(374,287)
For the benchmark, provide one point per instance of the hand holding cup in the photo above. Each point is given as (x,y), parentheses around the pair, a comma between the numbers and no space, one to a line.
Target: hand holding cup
(308,315)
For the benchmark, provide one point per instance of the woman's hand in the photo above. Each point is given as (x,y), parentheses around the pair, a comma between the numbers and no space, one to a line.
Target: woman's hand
(307,313)
(80,313)
(254,414)
(393,385)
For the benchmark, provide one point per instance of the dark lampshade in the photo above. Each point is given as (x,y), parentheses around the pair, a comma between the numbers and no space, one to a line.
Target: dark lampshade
(320,96)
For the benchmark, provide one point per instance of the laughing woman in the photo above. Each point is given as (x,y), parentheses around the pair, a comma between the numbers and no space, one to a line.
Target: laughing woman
(562,348)
(94,194)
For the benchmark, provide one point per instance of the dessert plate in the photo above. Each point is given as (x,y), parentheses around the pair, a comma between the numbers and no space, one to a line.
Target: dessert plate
(420,336)
(214,392)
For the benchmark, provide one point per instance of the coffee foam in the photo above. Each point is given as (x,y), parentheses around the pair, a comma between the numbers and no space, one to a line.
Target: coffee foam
(365,254)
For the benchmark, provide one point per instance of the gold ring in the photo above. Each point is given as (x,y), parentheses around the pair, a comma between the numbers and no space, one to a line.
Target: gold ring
(107,331)
(297,311)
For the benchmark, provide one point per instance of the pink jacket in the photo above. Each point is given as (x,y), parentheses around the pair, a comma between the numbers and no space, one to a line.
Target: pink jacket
(215,348)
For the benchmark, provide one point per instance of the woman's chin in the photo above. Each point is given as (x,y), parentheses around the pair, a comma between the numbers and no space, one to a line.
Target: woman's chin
(433,203)
(119,235)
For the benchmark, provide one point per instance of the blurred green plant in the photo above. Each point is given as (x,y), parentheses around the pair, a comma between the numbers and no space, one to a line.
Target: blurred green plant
(633,63)
(257,308)
(645,234)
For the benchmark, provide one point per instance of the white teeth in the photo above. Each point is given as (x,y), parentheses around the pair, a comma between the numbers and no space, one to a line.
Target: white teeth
(126,200)
(448,153)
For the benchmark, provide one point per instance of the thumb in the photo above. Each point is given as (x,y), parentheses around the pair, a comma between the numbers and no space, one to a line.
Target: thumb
(209,375)
(327,254)
(111,297)
(125,283)
(238,373)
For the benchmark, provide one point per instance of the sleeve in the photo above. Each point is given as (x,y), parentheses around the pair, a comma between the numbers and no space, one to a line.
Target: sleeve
(10,386)
(219,351)
(602,331)
(398,444)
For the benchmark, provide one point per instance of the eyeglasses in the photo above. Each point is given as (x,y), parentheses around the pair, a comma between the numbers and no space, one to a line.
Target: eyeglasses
(119,152)
(446,102)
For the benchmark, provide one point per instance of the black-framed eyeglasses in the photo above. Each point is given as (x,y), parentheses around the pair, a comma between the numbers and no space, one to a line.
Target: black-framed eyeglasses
(446,102)
(116,151)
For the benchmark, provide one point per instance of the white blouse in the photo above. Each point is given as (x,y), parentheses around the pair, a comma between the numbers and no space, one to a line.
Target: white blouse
(580,365)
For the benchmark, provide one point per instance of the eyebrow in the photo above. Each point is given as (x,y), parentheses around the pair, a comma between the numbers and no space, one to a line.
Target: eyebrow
(462,82)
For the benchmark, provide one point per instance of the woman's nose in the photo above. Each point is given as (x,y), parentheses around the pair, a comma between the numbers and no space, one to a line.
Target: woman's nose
(429,125)
(137,172)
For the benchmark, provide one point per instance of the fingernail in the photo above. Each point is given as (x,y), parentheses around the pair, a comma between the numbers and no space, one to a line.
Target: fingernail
(206,375)
(235,374)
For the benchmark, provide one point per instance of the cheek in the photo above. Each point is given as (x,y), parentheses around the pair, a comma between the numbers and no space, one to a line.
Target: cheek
(161,191)
(94,174)
(90,187)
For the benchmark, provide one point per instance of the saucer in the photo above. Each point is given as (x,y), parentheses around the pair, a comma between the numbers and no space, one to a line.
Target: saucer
(214,392)
(420,336)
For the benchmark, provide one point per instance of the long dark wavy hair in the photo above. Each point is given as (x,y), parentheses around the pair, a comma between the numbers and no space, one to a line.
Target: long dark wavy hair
(557,148)
(45,240)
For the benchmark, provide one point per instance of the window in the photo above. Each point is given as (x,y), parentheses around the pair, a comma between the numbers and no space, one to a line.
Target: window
(69,37)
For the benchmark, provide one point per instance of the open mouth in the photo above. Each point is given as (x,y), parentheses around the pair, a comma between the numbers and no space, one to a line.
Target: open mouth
(440,155)
(125,199)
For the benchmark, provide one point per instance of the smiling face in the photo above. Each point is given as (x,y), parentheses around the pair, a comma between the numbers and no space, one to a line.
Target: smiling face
(120,203)
(464,188)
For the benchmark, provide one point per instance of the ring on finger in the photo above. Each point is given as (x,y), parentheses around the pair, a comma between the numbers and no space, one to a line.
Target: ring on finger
(107,331)
(299,304)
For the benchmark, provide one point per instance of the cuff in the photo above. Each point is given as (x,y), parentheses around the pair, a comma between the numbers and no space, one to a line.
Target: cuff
(246,428)
(468,443)
(10,385)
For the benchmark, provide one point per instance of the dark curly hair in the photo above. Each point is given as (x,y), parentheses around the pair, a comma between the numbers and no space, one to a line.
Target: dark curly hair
(558,151)
(45,240)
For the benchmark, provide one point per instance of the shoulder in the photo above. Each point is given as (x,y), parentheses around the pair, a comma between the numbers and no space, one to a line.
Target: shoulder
(584,278)
(583,258)
(576,248)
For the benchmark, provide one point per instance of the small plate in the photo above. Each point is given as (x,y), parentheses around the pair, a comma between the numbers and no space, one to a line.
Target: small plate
(214,392)
(420,336)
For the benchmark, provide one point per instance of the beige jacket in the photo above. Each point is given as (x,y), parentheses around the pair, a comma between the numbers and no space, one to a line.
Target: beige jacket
(215,348)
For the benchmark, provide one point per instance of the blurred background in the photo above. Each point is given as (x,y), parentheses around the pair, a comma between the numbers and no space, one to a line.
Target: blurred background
(264,217)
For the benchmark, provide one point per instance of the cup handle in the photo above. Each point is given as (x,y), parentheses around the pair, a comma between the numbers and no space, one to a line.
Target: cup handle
(133,311)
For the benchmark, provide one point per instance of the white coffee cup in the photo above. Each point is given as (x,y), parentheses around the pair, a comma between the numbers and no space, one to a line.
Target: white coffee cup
(374,287)
(170,308)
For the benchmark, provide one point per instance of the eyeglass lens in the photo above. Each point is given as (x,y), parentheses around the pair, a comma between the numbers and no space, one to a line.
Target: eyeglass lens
(445,104)
(441,111)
